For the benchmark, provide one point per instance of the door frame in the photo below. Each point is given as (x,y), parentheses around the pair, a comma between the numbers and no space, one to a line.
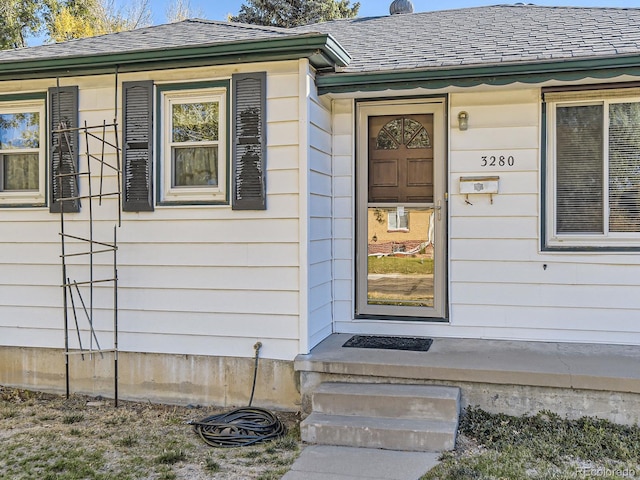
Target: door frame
(437,107)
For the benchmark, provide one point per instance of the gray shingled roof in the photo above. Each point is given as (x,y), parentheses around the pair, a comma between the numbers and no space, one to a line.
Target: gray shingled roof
(485,35)
(173,35)
(439,39)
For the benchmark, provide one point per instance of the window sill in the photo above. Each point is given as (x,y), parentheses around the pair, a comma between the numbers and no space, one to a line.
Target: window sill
(35,199)
(609,245)
(185,203)
(197,196)
(34,205)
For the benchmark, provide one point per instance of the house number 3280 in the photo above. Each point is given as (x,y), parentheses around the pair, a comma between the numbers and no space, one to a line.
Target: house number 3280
(497,161)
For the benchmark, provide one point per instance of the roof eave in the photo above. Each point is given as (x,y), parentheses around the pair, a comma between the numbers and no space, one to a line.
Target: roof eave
(488,74)
(322,50)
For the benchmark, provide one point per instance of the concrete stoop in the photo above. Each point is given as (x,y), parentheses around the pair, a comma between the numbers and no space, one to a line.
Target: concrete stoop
(422,418)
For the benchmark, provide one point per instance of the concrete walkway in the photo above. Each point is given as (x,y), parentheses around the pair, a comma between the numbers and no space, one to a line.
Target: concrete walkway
(325,462)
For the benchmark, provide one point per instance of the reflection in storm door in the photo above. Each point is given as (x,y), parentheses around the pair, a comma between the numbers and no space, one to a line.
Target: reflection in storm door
(400,273)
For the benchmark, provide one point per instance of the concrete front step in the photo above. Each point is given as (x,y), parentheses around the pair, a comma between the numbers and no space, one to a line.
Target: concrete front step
(427,402)
(379,432)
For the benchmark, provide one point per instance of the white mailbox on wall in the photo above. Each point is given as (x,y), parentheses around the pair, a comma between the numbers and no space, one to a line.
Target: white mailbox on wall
(475,185)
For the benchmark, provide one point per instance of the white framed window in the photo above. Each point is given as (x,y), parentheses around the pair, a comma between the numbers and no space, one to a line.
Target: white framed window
(22,153)
(193,146)
(593,169)
(398,220)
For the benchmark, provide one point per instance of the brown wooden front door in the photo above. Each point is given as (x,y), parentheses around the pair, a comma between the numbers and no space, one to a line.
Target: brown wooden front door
(401,159)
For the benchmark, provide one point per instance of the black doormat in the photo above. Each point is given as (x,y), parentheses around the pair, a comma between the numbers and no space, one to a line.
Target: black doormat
(414,344)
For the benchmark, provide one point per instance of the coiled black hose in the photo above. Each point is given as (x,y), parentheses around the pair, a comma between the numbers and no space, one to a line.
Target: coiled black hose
(240,427)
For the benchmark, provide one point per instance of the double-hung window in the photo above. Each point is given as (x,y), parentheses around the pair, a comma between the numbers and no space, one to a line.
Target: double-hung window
(188,134)
(593,166)
(398,220)
(22,152)
(193,145)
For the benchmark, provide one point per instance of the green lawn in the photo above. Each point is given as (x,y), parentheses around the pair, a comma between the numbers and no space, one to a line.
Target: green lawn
(401,265)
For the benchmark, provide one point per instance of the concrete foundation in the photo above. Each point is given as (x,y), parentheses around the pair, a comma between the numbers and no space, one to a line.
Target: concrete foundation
(160,378)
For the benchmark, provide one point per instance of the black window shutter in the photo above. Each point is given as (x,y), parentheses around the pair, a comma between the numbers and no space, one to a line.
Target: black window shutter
(249,127)
(137,178)
(63,149)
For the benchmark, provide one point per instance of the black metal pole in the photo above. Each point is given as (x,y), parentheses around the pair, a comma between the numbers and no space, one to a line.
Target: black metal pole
(115,315)
(57,180)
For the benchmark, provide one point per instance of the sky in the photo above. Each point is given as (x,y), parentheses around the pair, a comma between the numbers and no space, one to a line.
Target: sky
(219,9)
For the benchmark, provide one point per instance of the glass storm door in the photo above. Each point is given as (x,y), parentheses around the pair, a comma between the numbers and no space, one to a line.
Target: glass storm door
(401,211)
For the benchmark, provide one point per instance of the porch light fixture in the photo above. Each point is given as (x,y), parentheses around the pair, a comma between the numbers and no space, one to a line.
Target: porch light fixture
(463,121)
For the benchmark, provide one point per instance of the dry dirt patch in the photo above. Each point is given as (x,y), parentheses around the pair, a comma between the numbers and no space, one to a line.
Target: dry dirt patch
(47,436)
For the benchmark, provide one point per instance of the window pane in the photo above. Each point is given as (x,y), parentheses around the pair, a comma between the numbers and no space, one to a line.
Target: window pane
(421,140)
(579,169)
(197,166)
(400,263)
(410,129)
(19,130)
(385,142)
(20,172)
(403,220)
(195,122)
(394,129)
(624,167)
(393,219)
(398,219)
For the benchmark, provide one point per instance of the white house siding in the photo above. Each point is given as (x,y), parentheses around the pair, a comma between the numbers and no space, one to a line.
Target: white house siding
(343,213)
(501,285)
(320,281)
(197,280)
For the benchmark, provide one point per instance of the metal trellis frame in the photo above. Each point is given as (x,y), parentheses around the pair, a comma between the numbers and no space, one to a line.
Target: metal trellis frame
(85,252)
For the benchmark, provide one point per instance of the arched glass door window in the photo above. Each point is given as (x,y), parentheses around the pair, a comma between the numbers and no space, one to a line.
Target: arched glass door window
(402,131)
